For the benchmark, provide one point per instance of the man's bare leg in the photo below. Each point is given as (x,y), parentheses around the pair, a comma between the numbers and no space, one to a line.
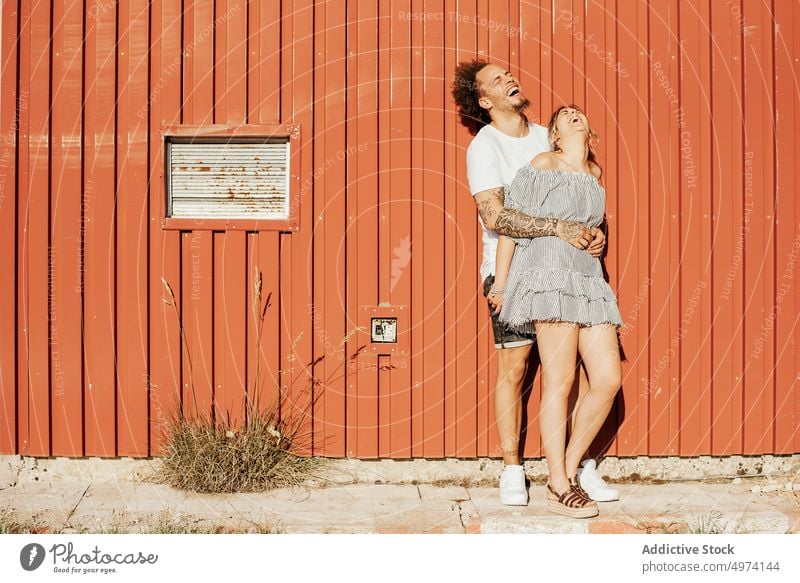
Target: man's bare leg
(512,364)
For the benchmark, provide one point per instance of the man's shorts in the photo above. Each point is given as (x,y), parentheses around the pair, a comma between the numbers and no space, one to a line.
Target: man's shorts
(504,337)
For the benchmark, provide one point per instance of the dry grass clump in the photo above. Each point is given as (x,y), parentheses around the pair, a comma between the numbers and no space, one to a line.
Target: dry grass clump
(203,456)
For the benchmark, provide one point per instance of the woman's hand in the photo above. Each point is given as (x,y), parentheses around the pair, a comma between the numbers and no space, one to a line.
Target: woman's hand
(598,244)
(496,300)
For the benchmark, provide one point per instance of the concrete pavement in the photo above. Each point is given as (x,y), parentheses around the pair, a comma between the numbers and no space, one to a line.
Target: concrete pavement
(93,495)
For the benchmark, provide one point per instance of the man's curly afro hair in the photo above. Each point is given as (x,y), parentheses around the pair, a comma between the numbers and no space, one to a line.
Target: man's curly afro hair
(466,93)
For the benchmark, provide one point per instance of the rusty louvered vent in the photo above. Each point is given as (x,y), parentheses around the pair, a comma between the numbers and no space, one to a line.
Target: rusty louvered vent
(228,179)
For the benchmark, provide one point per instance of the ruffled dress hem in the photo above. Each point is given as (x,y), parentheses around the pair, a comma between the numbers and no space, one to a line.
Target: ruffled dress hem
(558,295)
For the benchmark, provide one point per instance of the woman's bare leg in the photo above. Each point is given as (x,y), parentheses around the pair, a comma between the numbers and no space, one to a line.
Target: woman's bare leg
(582,383)
(599,351)
(558,344)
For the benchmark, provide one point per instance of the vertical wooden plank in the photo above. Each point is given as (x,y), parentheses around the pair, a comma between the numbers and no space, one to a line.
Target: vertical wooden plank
(471,314)
(787,114)
(230,305)
(546,82)
(664,302)
(99,258)
(636,289)
(264,107)
(562,48)
(419,386)
(330,222)
(230,96)
(397,241)
(434,336)
(584,47)
(197,275)
(38,313)
(695,184)
(487,365)
(676,243)
(728,228)
(390,52)
(296,248)
(497,21)
(198,77)
(65,261)
(264,86)
(515,34)
(481,27)
(454,260)
(165,109)
(197,254)
(132,325)
(10,101)
(268,262)
(621,208)
(23,240)
(531,48)
(627,206)
(253,357)
(262,338)
(760,313)
(352,111)
(362,256)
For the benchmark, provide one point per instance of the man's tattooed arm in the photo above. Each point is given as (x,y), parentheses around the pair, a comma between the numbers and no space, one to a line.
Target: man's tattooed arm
(490,204)
(514,223)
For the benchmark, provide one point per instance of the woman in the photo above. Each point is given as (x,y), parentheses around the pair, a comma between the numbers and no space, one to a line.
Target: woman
(559,290)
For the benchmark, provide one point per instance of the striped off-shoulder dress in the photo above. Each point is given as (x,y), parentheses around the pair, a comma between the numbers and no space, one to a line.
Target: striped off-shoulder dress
(550,280)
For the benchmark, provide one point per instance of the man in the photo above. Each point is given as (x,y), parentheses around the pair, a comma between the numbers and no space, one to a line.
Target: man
(491,104)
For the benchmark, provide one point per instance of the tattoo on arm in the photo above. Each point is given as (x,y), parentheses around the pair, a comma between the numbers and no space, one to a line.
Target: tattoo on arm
(514,223)
(490,207)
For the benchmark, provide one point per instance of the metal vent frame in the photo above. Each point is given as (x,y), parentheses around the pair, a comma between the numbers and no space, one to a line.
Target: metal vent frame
(223,134)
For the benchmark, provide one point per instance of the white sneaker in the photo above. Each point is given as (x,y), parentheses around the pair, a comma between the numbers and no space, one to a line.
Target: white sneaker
(512,486)
(591,481)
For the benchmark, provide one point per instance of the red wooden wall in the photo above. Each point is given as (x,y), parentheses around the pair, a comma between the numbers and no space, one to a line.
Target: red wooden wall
(696,104)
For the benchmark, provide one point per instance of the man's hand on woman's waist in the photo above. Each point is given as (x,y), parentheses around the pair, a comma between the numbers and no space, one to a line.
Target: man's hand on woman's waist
(515,223)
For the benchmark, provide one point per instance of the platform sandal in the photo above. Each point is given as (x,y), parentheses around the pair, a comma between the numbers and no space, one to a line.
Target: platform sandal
(577,485)
(570,503)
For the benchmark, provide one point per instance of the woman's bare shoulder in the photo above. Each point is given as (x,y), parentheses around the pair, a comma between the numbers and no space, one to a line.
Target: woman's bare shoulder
(545,161)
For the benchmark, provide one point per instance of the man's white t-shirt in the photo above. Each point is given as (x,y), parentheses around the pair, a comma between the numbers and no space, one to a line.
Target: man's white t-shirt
(493,159)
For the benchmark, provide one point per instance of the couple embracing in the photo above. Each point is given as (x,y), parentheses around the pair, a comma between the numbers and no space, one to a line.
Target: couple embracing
(539,195)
